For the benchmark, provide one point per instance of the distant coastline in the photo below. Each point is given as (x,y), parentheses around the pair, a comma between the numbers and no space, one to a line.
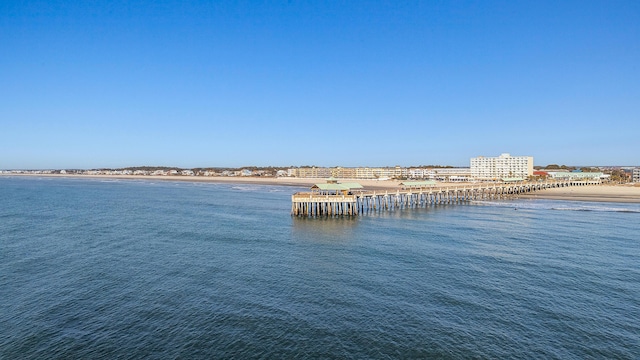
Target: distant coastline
(278,181)
(600,193)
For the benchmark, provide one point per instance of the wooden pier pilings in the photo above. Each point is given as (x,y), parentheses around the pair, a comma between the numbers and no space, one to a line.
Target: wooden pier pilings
(312,204)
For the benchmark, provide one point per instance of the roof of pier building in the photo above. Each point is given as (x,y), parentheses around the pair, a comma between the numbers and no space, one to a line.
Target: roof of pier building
(336,186)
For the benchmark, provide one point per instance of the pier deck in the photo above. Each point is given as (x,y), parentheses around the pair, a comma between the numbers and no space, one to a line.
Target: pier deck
(314,204)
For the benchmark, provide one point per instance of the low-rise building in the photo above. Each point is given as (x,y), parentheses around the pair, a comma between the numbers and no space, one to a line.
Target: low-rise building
(635,175)
(576,175)
(396,172)
(451,174)
(313,172)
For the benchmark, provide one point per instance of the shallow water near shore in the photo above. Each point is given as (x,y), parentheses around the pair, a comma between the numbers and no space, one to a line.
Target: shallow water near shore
(134,269)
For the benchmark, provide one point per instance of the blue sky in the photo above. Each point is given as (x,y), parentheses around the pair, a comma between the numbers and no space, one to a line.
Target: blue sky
(326,83)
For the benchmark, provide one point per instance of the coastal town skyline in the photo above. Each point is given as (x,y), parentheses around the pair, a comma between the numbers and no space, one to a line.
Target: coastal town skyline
(430,165)
(523,162)
(504,167)
(113,85)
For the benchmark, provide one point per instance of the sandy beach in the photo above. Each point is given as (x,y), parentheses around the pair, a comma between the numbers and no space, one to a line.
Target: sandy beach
(598,193)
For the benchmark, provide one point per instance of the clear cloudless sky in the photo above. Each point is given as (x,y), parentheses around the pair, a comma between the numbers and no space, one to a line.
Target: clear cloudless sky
(89,84)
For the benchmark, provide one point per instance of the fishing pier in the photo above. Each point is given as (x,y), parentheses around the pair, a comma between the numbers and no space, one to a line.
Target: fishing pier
(350,199)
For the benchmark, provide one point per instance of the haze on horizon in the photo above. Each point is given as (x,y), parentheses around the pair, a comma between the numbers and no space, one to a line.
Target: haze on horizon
(115,84)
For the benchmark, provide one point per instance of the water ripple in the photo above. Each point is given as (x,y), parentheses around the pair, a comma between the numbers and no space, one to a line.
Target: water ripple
(121,269)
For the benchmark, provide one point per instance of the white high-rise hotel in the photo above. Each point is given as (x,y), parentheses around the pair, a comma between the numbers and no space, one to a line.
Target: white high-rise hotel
(501,167)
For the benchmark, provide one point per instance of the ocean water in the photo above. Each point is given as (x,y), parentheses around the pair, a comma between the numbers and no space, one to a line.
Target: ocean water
(139,269)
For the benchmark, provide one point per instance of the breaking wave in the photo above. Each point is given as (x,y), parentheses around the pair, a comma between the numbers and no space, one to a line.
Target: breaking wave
(554,205)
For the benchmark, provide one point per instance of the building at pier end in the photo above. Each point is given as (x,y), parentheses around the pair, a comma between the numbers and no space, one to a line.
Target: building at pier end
(504,166)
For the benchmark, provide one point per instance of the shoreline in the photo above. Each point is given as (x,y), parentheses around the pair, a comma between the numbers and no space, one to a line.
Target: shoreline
(290,182)
(597,193)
